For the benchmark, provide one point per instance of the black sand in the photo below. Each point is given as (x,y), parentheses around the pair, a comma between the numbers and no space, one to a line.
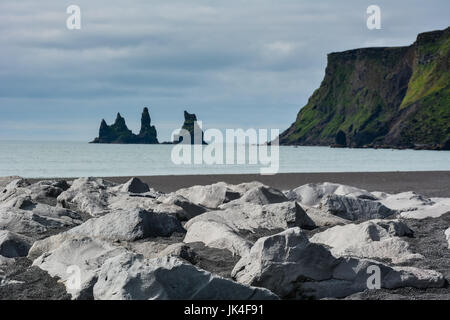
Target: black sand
(428,183)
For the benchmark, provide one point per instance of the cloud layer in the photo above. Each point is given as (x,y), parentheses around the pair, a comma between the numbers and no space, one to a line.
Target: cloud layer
(236,63)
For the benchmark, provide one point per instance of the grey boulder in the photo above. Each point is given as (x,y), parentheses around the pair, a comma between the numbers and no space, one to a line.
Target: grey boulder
(292,267)
(131,277)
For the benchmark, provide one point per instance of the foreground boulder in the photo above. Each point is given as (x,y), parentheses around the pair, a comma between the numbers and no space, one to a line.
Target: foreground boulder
(251,217)
(13,245)
(116,226)
(129,226)
(223,229)
(131,277)
(81,257)
(292,267)
(375,239)
(217,235)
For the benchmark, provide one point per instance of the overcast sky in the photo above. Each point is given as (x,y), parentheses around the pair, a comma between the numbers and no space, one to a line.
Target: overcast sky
(235,63)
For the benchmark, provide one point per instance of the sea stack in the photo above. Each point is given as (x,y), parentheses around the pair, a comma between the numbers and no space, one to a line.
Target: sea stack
(119,132)
(192,127)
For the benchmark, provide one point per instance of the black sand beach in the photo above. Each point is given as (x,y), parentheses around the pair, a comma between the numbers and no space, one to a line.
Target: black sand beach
(428,183)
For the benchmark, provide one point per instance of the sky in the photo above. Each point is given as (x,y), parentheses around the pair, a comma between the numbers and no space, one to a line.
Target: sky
(235,63)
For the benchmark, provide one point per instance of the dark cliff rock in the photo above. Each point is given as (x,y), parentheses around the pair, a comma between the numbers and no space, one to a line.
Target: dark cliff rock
(381,97)
(190,125)
(119,132)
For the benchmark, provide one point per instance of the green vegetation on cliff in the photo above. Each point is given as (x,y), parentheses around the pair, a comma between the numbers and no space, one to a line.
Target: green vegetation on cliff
(396,97)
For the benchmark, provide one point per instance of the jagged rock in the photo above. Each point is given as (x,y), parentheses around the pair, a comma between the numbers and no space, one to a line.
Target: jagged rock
(251,217)
(216,195)
(78,256)
(147,134)
(130,277)
(119,132)
(354,209)
(210,196)
(134,185)
(415,206)
(217,235)
(311,194)
(324,219)
(292,267)
(191,131)
(190,210)
(375,239)
(88,195)
(260,194)
(180,250)
(222,229)
(24,216)
(129,226)
(13,245)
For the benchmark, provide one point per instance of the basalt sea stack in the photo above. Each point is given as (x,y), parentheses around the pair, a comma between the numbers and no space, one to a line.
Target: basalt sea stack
(191,125)
(119,132)
(395,97)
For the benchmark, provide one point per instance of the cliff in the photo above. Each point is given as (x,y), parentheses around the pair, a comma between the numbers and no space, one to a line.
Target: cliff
(381,97)
(119,132)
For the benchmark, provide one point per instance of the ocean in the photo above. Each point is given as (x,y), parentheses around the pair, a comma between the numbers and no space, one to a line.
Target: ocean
(44,159)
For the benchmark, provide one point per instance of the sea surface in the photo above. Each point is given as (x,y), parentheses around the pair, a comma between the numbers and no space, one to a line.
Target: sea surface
(33,159)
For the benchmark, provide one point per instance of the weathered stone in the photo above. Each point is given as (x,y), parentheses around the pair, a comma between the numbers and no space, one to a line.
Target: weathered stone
(75,257)
(375,239)
(354,209)
(311,194)
(292,267)
(217,235)
(130,277)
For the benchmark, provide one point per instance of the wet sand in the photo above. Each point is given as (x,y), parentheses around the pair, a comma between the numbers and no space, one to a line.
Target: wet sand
(428,183)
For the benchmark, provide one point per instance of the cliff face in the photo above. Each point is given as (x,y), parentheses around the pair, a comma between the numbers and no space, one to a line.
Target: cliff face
(119,132)
(381,97)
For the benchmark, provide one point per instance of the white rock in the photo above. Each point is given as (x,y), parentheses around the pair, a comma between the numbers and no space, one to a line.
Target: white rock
(88,195)
(415,206)
(77,262)
(217,235)
(260,194)
(210,196)
(251,217)
(447,236)
(130,277)
(189,209)
(21,215)
(375,239)
(311,194)
(292,267)
(13,245)
(129,226)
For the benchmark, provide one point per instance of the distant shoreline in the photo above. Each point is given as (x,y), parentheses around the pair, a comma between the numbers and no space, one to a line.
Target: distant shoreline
(428,183)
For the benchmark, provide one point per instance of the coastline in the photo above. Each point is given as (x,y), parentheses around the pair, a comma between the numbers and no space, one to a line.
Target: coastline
(428,183)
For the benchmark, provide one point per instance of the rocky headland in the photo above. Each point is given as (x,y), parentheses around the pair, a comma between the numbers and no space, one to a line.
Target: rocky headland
(396,97)
(219,241)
